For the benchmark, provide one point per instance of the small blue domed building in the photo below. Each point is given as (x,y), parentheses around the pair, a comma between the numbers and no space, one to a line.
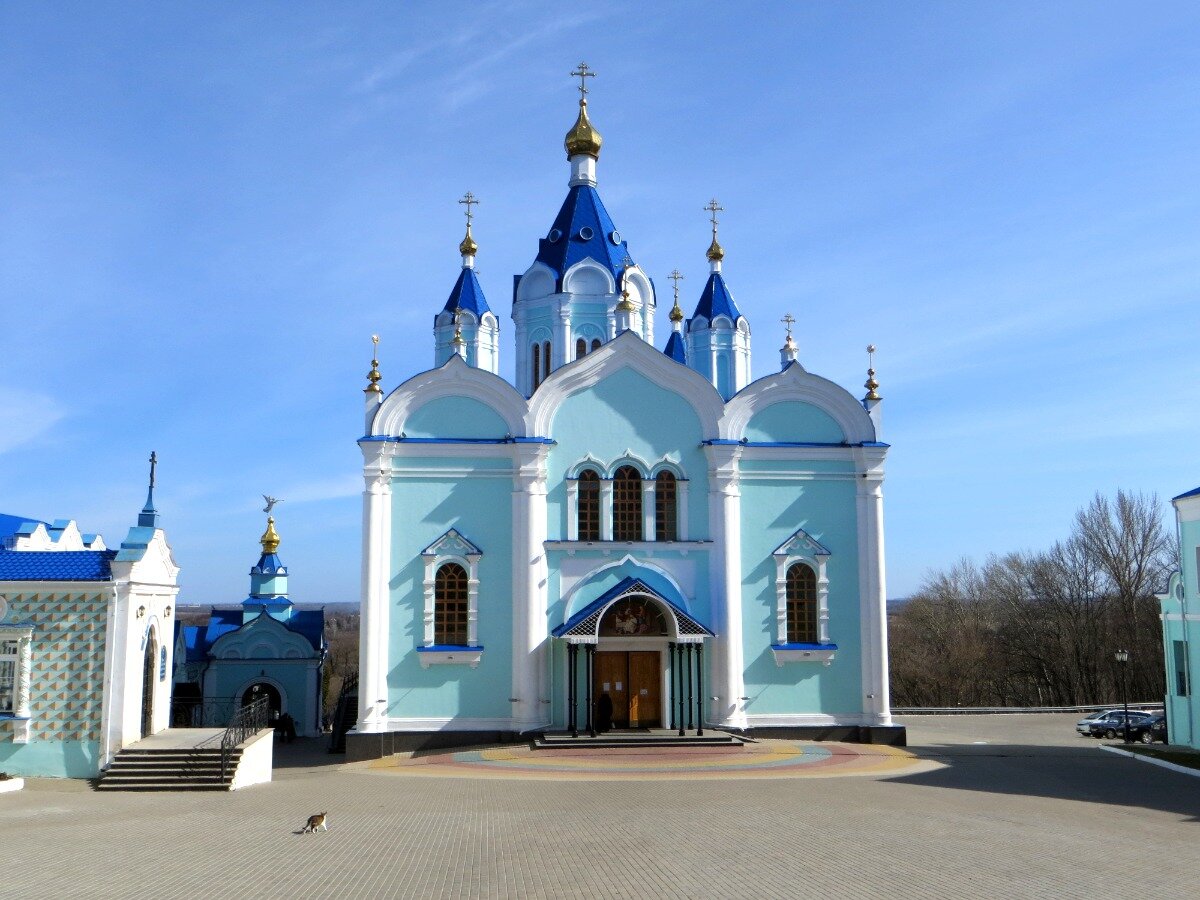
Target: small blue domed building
(264,647)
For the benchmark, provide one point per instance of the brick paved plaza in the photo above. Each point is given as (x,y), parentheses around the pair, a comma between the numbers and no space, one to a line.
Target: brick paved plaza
(1033,812)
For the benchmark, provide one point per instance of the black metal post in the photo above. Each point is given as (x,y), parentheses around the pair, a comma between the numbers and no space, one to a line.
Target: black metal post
(688,669)
(590,651)
(1123,660)
(572,703)
(674,690)
(699,690)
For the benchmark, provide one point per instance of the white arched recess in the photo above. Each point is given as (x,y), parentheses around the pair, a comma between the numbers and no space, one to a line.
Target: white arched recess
(795,384)
(453,379)
(585,276)
(627,349)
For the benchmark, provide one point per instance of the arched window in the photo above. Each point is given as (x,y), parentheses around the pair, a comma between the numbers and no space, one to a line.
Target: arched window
(589,506)
(580,348)
(537,366)
(627,504)
(595,344)
(666,526)
(546,360)
(450,605)
(801,592)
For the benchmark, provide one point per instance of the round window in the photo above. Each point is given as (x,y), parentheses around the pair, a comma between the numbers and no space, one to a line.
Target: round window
(615,237)
(554,235)
(585,233)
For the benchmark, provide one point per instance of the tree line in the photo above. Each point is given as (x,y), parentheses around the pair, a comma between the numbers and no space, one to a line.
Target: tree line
(1042,628)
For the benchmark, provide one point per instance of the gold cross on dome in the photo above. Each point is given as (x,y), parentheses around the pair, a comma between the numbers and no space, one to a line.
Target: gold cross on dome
(676,276)
(788,320)
(713,207)
(582,72)
(469,200)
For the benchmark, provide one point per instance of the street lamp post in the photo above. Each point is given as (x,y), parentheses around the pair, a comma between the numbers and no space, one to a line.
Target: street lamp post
(1122,657)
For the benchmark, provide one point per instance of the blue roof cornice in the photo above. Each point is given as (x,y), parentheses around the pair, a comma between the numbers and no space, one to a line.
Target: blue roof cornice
(1191,493)
(582,230)
(467,295)
(716,301)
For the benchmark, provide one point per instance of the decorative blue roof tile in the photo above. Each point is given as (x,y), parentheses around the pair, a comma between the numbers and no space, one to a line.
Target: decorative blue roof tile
(56,565)
(582,229)
(675,348)
(467,295)
(716,301)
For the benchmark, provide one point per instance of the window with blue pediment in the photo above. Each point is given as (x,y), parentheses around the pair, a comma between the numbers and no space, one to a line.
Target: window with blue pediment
(451,598)
(802,601)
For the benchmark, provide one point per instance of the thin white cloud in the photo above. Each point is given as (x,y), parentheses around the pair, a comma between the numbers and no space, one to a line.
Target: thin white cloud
(25,416)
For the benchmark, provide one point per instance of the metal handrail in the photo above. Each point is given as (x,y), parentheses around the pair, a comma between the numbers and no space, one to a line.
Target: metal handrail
(246,722)
(1011,710)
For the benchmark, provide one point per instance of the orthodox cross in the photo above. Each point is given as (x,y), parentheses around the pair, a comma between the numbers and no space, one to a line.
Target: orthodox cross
(676,276)
(788,320)
(582,72)
(153,465)
(713,208)
(469,200)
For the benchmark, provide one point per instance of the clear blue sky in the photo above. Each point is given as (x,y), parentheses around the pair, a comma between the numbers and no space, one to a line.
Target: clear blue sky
(206,210)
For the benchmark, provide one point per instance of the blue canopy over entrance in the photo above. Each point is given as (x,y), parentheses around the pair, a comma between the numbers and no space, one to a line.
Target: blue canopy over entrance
(584,626)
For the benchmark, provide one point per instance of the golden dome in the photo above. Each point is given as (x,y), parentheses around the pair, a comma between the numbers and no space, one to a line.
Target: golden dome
(583,138)
(716,252)
(270,538)
(468,247)
(625,304)
(676,312)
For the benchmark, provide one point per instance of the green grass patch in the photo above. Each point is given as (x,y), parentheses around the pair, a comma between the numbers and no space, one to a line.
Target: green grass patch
(1188,758)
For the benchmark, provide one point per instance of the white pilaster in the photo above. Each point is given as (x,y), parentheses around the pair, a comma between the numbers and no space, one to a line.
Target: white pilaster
(530,575)
(648,509)
(725,574)
(560,352)
(373,627)
(572,509)
(681,494)
(872,589)
(606,502)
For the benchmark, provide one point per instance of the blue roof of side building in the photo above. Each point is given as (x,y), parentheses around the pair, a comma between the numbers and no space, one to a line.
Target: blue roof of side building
(581,210)
(467,295)
(675,348)
(1191,493)
(198,640)
(56,565)
(11,525)
(716,301)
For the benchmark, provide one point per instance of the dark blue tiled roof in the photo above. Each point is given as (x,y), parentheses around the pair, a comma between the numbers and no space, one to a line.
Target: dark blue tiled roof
(716,301)
(10,525)
(308,623)
(56,565)
(467,295)
(195,647)
(311,624)
(675,348)
(220,623)
(269,564)
(1191,493)
(582,210)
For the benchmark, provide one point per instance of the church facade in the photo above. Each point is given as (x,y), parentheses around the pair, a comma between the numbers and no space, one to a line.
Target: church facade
(625,536)
(1180,611)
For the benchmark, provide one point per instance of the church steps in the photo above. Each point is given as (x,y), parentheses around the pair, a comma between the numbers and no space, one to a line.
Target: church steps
(169,770)
(562,741)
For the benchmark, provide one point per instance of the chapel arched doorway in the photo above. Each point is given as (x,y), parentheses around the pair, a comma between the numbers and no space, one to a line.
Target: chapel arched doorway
(628,674)
(148,666)
(274,699)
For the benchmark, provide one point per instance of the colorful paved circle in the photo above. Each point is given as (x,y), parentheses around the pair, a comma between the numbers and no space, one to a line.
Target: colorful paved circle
(764,759)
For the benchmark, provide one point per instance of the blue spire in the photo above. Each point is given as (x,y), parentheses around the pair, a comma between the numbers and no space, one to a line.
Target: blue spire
(717,301)
(583,229)
(148,517)
(675,348)
(467,295)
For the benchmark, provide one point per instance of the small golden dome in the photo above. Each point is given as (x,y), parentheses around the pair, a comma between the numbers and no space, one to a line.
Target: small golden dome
(676,312)
(625,304)
(716,252)
(270,538)
(468,247)
(583,138)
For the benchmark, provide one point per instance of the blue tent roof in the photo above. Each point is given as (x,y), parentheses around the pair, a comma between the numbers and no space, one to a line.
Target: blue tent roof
(10,525)
(467,295)
(582,229)
(675,348)
(716,301)
(56,565)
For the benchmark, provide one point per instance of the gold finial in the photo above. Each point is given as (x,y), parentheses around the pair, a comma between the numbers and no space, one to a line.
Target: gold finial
(373,376)
(270,538)
(676,313)
(625,304)
(468,247)
(583,137)
(715,252)
(871,384)
(457,340)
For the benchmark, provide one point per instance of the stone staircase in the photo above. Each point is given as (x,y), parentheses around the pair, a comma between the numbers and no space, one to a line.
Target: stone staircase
(181,769)
(656,737)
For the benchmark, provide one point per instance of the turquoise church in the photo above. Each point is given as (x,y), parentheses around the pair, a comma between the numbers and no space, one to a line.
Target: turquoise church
(1180,617)
(628,535)
(264,647)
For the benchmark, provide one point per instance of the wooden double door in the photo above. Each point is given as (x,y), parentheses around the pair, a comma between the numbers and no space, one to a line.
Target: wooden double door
(632,679)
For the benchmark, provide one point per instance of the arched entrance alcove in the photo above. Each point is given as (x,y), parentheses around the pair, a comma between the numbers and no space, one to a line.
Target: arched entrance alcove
(149,666)
(643,661)
(274,699)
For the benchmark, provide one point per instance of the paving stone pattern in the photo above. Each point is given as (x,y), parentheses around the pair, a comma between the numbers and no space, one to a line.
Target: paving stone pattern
(1034,812)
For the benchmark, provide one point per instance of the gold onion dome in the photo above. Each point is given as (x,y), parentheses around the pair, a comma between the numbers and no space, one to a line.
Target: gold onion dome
(625,304)
(270,538)
(676,312)
(583,138)
(468,247)
(716,252)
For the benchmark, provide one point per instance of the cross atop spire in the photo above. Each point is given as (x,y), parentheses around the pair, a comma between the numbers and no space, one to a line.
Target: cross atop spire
(716,252)
(583,73)
(467,247)
(469,200)
(373,376)
(149,515)
(713,208)
(871,384)
(676,313)
(788,321)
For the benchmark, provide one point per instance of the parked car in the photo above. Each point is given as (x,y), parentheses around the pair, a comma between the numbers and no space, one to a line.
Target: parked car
(1148,730)
(1084,725)
(1112,724)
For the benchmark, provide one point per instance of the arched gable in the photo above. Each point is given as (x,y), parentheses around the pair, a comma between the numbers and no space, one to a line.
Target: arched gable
(537,282)
(794,421)
(626,350)
(453,379)
(795,385)
(455,417)
(588,277)
(260,635)
(604,577)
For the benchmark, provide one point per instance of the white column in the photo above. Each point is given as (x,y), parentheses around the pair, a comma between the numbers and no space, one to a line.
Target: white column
(606,502)
(24,665)
(872,589)
(560,354)
(116,637)
(648,523)
(376,565)
(530,575)
(725,568)
(572,509)
(681,512)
